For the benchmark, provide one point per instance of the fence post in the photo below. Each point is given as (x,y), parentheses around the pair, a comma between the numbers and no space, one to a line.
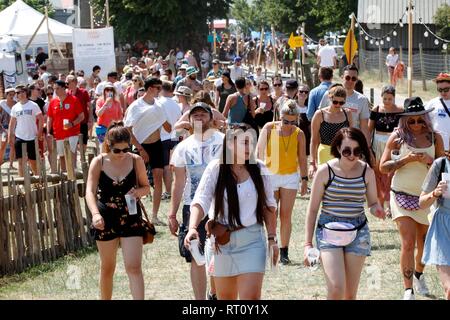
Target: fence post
(380,53)
(422,68)
(372,96)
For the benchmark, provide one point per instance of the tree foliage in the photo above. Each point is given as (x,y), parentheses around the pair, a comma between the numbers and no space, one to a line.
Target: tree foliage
(442,21)
(171,23)
(39,5)
(320,16)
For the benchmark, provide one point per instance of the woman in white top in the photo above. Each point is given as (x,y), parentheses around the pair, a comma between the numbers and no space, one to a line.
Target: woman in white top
(5,114)
(392,60)
(237,195)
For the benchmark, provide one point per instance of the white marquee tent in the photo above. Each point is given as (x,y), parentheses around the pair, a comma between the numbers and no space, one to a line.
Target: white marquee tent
(20,20)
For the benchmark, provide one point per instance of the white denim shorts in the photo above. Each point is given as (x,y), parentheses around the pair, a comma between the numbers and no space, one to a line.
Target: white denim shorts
(73,141)
(285,181)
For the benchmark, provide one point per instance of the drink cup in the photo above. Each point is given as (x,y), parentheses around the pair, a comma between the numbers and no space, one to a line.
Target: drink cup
(313,258)
(195,252)
(66,124)
(273,266)
(131,204)
(446,178)
(262,105)
(395,154)
(4,137)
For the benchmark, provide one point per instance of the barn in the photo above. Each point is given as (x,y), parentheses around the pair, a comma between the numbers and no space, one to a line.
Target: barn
(380,17)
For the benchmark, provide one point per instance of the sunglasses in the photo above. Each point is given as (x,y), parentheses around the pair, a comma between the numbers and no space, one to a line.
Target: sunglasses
(443,90)
(302,91)
(287,122)
(277,84)
(414,122)
(348,78)
(117,150)
(263,89)
(347,152)
(135,80)
(341,103)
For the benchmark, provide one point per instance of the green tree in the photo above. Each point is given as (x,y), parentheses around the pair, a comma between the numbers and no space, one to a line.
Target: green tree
(171,23)
(442,21)
(36,4)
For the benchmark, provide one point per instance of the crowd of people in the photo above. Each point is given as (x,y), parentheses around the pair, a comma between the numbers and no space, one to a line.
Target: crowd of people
(234,152)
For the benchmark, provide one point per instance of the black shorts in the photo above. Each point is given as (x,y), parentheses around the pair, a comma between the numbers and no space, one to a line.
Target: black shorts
(168,146)
(200,229)
(155,152)
(84,132)
(31,150)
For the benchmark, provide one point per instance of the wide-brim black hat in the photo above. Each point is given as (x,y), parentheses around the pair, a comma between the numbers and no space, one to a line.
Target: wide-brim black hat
(414,107)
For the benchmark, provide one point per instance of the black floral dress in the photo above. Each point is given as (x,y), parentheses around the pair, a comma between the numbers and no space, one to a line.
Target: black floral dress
(112,206)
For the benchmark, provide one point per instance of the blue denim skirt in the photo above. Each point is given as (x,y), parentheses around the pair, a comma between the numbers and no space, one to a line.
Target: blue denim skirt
(437,243)
(245,253)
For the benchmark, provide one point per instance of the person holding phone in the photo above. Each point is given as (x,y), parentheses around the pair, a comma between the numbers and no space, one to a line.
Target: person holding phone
(418,146)
(108,109)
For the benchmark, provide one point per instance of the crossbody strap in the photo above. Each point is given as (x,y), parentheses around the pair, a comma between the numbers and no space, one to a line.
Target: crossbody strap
(445,107)
(138,200)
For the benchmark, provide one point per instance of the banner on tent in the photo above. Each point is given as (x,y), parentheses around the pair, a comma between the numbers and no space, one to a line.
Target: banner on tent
(93,47)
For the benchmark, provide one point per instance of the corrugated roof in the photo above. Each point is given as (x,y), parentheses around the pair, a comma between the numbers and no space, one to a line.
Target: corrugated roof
(390,11)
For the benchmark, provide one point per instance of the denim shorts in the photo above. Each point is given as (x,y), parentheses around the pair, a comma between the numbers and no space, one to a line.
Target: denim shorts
(360,246)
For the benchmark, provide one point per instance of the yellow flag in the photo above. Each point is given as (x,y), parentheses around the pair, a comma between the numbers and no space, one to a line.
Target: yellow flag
(350,46)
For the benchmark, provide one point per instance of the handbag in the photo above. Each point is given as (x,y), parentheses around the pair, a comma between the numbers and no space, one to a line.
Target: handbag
(149,228)
(407,201)
(221,232)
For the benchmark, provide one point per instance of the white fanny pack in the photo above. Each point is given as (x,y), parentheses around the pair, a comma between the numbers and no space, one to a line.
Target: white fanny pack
(340,234)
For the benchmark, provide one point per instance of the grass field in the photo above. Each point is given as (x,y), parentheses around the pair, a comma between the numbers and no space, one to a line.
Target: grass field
(167,275)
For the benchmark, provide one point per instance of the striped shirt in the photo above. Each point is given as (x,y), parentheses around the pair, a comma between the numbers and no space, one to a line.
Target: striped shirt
(344,197)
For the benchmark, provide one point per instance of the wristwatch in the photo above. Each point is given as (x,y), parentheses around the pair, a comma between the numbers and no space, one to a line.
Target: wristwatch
(305,178)
(272,238)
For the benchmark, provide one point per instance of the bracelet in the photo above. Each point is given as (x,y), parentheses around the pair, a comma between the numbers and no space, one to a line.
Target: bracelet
(305,178)
(308,244)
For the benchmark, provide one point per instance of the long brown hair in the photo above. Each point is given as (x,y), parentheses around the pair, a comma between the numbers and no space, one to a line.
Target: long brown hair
(227,181)
(116,133)
(355,135)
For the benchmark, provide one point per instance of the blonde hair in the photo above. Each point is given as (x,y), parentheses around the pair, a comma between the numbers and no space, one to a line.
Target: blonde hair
(337,91)
(290,108)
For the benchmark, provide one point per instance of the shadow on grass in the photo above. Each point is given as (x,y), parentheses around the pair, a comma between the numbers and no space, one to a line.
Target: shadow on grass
(386,247)
(37,271)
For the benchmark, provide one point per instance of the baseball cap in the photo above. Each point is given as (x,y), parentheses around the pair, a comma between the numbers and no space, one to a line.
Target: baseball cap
(203,106)
(291,84)
(236,59)
(216,61)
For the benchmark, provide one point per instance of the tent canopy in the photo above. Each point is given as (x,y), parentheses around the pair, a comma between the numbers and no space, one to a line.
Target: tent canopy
(20,20)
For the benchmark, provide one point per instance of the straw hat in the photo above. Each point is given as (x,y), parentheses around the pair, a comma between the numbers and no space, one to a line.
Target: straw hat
(184,91)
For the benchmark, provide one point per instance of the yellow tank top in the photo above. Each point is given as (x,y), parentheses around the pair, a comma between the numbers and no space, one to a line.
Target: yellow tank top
(281,157)
(410,177)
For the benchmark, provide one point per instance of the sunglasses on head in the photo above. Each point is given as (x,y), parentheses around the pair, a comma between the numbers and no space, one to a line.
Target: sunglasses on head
(347,152)
(413,122)
(443,90)
(117,150)
(348,78)
(287,122)
(341,103)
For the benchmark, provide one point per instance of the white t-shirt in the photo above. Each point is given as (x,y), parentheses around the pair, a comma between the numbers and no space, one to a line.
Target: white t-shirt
(25,114)
(195,155)
(392,60)
(247,194)
(357,104)
(173,113)
(236,72)
(440,119)
(326,55)
(144,118)
(101,86)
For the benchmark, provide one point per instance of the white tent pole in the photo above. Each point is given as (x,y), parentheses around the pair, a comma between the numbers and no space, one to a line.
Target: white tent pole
(48,34)
(34,34)
(56,44)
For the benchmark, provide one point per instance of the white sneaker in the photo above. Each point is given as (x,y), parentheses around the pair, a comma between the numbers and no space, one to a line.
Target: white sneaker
(420,286)
(409,295)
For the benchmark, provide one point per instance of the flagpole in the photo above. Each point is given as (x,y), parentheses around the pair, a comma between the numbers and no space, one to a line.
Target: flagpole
(352,28)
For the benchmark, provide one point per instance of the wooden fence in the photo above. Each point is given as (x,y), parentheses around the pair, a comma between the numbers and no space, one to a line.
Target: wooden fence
(41,217)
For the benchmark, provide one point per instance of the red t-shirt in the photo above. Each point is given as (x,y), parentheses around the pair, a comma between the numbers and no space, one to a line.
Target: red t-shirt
(70,109)
(83,96)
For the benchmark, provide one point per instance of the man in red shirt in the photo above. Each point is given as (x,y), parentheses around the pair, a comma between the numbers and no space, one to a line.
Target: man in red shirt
(82,96)
(65,115)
